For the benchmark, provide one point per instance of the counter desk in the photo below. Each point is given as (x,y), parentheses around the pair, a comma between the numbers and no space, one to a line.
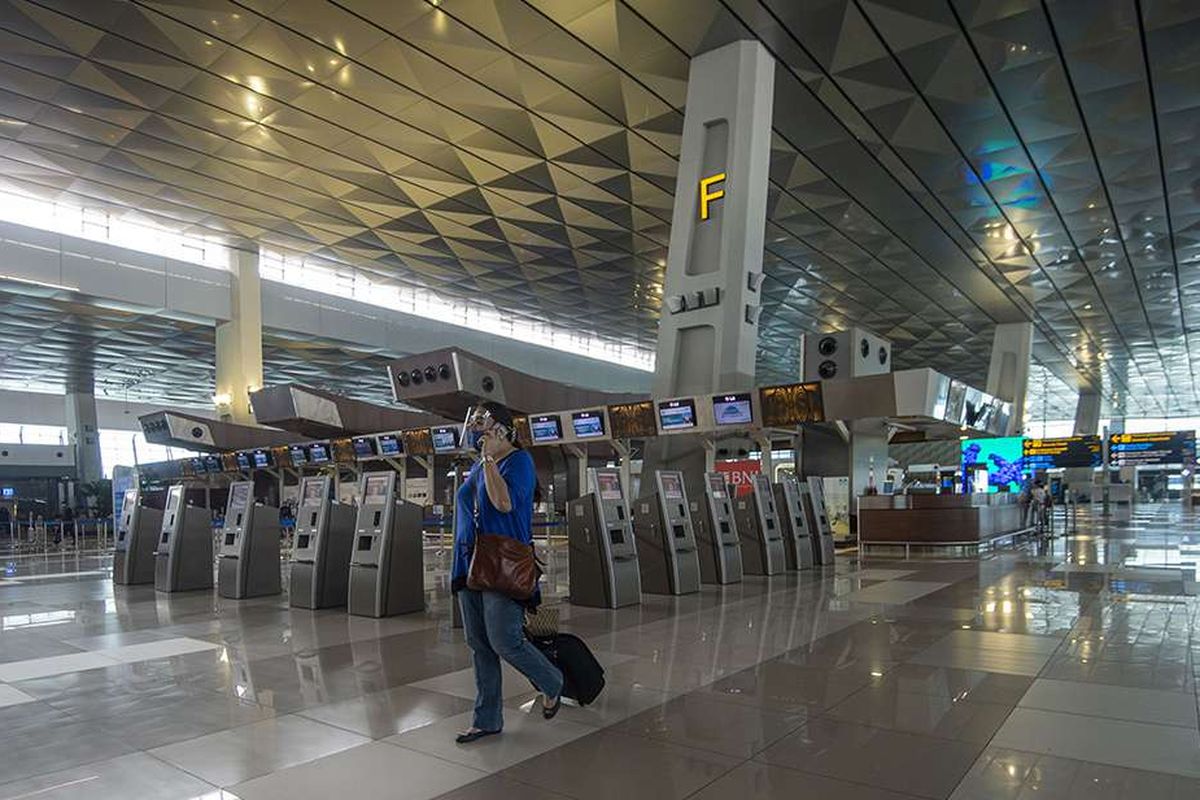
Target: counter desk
(938,519)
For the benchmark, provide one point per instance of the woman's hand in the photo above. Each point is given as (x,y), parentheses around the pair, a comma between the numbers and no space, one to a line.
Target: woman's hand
(493,443)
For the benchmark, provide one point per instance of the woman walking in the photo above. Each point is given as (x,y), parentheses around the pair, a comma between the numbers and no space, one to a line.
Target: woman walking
(497,499)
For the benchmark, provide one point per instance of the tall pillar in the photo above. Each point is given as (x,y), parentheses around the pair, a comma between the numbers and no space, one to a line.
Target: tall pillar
(1008,373)
(1087,413)
(708,331)
(239,341)
(83,433)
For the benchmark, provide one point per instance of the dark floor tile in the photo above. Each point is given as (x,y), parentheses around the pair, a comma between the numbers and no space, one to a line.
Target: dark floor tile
(767,782)
(699,720)
(778,685)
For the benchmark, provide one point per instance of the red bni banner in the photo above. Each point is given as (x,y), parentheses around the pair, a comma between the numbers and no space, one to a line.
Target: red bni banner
(739,473)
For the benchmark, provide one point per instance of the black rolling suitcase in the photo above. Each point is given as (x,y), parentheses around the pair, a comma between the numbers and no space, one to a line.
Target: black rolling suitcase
(583,677)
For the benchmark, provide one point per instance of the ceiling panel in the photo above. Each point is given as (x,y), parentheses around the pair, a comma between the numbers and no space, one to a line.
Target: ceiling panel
(937,167)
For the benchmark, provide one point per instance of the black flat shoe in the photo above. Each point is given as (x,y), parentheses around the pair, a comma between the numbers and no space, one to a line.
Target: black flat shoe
(549,713)
(466,737)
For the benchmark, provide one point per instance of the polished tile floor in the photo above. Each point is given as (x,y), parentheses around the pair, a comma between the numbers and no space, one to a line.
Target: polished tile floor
(1060,669)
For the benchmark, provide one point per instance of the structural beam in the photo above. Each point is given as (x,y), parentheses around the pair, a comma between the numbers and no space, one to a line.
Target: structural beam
(1008,373)
(239,342)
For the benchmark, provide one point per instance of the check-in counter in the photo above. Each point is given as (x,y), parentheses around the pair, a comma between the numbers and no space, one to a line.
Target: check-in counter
(938,518)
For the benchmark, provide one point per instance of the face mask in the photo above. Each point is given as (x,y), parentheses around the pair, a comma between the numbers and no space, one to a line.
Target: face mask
(475,439)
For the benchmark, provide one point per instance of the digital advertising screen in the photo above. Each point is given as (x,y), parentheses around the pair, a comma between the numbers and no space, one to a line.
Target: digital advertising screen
(677,415)
(1151,449)
(445,438)
(389,444)
(545,428)
(1065,452)
(318,453)
(1004,458)
(672,486)
(299,454)
(956,400)
(732,409)
(587,424)
(791,404)
(364,446)
(609,485)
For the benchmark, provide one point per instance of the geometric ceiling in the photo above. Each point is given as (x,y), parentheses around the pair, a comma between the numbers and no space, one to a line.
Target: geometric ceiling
(937,167)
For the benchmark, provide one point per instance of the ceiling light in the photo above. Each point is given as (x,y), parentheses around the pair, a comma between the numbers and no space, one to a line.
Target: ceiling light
(1087,307)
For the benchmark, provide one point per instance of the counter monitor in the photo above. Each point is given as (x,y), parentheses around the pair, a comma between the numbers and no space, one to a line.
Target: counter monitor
(198,466)
(587,424)
(609,485)
(545,428)
(632,420)
(212,464)
(299,455)
(261,459)
(677,415)
(445,438)
(732,409)
(243,460)
(318,453)
(389,445)
(364,446)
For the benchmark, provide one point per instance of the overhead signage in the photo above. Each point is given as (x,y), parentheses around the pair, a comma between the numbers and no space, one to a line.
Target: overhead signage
(791,404)
(1061,453)
(1148,449)
(708,194)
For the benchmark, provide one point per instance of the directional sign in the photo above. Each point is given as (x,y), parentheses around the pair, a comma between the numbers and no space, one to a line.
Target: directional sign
(1061,453)
(1144,449)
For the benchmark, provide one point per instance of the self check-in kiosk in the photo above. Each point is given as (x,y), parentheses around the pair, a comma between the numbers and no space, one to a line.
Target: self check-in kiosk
(717,542)
(248,563)
(603,559)
(797,547)
(666,542)
(137,536)
(758,527)
(183,560)
(387,566)
(822,539)
(321,554)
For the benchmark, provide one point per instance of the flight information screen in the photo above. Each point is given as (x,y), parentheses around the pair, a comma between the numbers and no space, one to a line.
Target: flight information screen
(299,454)
(318,453)
(1064,452)
(261,458)
(544,428)
(1147,449)
(243,460)
(587,424)
(732,409)
(389,445)
(364,446)
(212,464)
(676,415)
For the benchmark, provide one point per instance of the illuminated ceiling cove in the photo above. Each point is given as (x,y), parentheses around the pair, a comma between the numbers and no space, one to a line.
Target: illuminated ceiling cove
(938,166)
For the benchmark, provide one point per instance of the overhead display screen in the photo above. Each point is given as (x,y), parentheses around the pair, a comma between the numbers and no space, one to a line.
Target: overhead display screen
(212,464)
(243,460)
(198,466)
(318,453)
(545,428)
(1147,449)
(791,404)
(632,420)
(956,401)
(364,446)
(587,424)
(299,454)
(677,415)
(1062,453)
(732,409)
(609,485)
(1004,459)
(389,444)
(445,439)
(261,458)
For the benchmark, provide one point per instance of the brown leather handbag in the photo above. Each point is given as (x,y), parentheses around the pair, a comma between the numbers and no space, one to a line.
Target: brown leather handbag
(503,564)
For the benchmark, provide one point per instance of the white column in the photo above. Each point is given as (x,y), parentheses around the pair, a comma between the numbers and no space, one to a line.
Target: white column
(1008,373)
(83,432)
(239,342)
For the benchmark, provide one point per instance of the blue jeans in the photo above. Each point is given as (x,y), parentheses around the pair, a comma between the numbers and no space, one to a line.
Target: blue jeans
(494,625)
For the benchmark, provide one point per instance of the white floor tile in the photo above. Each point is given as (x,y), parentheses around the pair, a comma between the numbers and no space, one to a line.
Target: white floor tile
(133,776)
(370,771)
(874,574)
(1115,702)
(986,659)
(1158,748)
(461,683)
(893,592)
(54,665)
(10,696)
(165,648)
(525,736)
(1012,642)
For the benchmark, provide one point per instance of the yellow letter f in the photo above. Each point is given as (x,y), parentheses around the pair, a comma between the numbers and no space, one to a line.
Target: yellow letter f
(707,196)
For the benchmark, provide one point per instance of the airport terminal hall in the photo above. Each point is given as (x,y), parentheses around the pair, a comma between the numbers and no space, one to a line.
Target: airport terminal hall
(599,399)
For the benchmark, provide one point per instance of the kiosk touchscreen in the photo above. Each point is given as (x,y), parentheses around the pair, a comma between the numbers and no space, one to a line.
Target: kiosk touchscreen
(248,564)
(321,553)
(387,566)
(666,542)
(603,559)
(717,541)
(758,527)
(137,536)
(818,522)
(183,560)
(796,545)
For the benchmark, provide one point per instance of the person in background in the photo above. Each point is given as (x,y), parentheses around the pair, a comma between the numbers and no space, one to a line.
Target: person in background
(497,498)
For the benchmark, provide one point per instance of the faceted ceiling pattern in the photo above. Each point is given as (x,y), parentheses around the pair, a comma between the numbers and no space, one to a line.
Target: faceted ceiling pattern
(938,167)
(52,339)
